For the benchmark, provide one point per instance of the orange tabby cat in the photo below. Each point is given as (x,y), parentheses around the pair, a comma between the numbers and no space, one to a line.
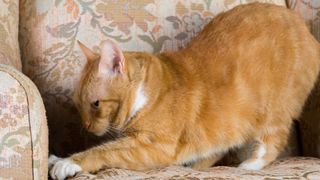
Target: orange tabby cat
(244,78)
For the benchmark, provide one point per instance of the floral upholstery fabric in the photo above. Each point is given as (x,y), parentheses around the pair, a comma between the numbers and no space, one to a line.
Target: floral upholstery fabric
(292,168)
(52,59)
(310,11)
(23,128)
(9,21)
(310,124)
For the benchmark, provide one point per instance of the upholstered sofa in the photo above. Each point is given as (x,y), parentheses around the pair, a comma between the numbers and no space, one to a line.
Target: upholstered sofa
(41,61)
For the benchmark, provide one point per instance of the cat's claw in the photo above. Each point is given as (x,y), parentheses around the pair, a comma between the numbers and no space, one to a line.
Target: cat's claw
(64,168)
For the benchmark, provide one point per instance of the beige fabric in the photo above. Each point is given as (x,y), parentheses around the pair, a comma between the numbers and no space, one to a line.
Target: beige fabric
(23,128)
(292,168)
(15,147)
(9,22)
(51,57)
(310,119)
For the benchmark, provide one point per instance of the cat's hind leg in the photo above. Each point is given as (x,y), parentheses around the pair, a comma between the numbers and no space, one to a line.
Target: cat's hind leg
(268,148)
(207,162)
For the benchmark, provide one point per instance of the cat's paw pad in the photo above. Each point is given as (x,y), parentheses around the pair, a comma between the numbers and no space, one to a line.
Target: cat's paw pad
(255,164)
(64,168)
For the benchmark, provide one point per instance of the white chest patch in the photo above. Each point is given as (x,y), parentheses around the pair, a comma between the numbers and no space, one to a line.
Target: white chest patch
(139,102)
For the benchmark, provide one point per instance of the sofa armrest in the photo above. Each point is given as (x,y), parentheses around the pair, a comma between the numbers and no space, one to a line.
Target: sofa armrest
(23,128)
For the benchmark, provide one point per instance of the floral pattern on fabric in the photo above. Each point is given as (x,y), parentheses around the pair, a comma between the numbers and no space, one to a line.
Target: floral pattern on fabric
(123,14)
(14,126)
(23,128)
(49,31)
(9,21)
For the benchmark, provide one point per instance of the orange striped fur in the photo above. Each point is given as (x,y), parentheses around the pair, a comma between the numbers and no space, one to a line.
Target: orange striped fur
(244,78)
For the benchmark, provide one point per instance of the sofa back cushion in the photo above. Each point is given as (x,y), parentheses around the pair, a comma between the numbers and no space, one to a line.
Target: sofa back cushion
(52,58)
(310,124)
(9,25)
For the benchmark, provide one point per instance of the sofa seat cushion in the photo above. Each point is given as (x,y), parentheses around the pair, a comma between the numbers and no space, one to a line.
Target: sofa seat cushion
(290,168)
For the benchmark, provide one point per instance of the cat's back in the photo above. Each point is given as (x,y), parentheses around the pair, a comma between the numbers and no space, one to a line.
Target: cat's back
(256,53)
(253,36)
(246,24)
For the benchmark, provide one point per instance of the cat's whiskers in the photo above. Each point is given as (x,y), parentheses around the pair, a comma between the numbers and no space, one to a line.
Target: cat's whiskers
(112,132)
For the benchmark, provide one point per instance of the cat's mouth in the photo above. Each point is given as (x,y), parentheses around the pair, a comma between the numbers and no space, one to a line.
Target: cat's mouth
(109,132)
(96,131)
(101,133)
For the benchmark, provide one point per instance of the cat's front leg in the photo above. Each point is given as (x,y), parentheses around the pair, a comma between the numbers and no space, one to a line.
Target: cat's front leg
(136,153)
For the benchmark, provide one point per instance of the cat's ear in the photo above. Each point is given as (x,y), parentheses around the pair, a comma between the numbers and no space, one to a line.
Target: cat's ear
(90,55)
(112,59)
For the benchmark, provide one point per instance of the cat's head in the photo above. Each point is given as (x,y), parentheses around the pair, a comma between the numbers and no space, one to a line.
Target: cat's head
(106,91)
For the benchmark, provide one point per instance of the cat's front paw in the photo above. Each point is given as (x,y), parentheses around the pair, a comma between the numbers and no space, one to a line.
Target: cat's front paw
(52,160)
(64,168)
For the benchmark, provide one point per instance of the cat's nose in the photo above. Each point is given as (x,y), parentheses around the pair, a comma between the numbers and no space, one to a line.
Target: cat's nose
(86,124)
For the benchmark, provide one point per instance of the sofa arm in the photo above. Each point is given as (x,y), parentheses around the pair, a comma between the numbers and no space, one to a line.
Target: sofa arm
(23,128)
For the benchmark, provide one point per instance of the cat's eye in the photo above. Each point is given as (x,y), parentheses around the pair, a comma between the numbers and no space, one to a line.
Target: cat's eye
(95,104)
